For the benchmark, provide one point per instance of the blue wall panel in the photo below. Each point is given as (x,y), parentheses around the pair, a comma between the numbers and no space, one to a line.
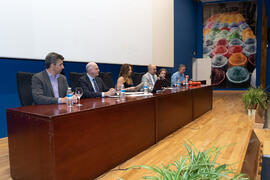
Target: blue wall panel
(184,33)
(259,42)
(267,7)
(199,30)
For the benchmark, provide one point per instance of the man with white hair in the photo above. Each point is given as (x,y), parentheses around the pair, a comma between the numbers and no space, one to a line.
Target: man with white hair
(92,85)
(150,77)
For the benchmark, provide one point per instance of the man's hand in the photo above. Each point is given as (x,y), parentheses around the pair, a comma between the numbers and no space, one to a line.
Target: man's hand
(63,100)
(110,92)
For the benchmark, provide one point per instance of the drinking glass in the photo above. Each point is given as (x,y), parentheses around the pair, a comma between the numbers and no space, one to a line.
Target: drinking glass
(78,93)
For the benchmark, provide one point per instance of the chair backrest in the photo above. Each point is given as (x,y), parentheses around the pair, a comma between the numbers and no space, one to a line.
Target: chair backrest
(137,78)
(24,82)
(74,79)
(169,77)
(107,78)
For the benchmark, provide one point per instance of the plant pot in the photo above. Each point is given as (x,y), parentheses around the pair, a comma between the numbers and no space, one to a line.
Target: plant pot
(208,43)
(222,35)
(237,59)
(215,29)
(250,41)
(206,31)
(209,25)
(251,112)
(223,25)
(207,51)
(219,61)
(247,33)
(222,50)
(237,77)
(251,62)
(250,49)
(234,49)
(236,42)
(225,28)
(235,29)
(233,24)
(243,26)
(218,77)
(222,42)
(212,35)
(234,35)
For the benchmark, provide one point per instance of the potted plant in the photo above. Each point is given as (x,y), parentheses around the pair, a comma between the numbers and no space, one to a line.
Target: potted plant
(201,165)
(254,97)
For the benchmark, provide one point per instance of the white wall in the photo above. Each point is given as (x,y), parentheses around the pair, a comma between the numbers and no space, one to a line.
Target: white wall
(107,31)
(201,69)
(163,32)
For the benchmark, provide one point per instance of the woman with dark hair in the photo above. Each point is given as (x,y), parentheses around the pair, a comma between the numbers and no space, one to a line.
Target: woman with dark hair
(125,78)
(162,75)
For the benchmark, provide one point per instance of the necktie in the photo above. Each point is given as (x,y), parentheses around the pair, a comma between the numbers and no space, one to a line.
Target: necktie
(96,86)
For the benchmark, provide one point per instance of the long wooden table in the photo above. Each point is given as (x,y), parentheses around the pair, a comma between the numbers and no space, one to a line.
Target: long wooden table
(56,142)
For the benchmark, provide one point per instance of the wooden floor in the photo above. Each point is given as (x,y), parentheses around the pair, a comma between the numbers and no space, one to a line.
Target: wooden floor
(4,160)
(226,124)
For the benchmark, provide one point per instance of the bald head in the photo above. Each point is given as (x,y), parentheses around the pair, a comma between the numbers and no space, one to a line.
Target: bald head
(152,69)
(92,69)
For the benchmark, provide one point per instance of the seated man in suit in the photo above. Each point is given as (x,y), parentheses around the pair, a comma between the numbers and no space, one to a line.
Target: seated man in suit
(150,77)
(92,85)
(49,86)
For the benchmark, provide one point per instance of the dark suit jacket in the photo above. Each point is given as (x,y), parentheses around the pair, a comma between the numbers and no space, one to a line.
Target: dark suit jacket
(42,90)
(88,90)
(166,83)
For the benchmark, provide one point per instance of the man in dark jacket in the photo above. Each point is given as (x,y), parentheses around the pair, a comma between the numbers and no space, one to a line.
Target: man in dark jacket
(92,85)
(49,86)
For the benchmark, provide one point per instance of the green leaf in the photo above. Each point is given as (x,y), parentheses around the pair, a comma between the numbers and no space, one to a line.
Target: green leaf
(151,177)
(199,165)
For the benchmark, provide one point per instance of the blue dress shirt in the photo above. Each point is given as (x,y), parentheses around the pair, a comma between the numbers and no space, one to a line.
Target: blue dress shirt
(54,83)
(177,77)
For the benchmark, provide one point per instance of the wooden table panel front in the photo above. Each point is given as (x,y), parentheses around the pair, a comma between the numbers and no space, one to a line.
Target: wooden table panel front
(91,142)
(56,142)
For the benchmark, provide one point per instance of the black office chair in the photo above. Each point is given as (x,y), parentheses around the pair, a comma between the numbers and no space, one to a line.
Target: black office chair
(107,78)
(169,77)
(74,79)
(137,78)
(24,82)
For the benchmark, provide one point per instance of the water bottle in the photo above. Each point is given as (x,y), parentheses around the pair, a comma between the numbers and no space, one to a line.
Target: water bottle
(122,92)
(186,81)
(145,88)
(69,98)
(190,82)
(178,83)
